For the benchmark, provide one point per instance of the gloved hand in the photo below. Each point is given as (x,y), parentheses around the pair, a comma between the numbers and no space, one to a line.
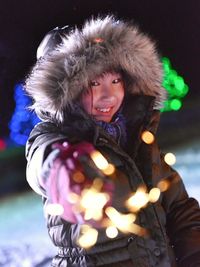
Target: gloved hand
(72,175)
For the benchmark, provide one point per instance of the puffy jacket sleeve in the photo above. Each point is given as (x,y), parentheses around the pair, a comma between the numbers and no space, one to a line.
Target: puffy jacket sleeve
(38,148)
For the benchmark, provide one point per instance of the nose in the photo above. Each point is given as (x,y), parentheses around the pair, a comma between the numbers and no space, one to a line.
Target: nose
(107,93)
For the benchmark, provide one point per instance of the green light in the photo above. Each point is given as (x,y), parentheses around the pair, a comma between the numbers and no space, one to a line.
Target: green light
(166,62)
(175,104)
(174,85)
(185,89)
(179,83)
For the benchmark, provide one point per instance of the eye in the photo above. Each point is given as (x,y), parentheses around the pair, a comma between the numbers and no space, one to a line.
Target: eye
(94,83)
(118,80)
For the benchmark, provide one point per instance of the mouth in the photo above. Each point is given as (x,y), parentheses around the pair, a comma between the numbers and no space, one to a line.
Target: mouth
(104,110)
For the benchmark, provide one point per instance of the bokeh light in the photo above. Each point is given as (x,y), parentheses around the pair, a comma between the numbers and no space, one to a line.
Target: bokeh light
(111,232)
(170,158)
(154,194)
(175,104)
(22,121)
(109,170)
(138,200)
(163,185)
(88,236)
(73,198)
(124,222)
(99,160)
(54,209)
(175,85)
(92,201)
(2,145)
(147,137)
(78,177)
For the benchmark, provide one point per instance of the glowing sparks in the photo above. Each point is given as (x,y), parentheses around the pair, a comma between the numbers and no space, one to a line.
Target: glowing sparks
(102,163)
(92,201)
(88,236)
(109,170)
(111,232)
(138,200)
(99,160)
(170,159)
(147,137)
(54,209)
(94,209)
(121,221)
(154,194)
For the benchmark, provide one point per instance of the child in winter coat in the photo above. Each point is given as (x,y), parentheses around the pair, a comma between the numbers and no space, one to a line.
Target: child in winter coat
(97,91)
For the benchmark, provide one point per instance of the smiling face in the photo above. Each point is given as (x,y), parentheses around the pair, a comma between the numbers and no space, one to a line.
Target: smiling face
(104,97)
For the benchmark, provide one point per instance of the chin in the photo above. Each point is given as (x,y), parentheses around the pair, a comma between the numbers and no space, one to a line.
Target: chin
(105,119)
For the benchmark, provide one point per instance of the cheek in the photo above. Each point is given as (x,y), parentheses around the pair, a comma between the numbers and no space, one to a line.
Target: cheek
(86,102)
(120,95)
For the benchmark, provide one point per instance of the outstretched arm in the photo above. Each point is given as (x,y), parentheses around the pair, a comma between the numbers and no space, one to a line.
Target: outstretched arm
(67,171)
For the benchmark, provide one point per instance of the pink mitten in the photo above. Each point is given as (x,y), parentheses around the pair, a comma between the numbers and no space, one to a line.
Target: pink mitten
(72,172)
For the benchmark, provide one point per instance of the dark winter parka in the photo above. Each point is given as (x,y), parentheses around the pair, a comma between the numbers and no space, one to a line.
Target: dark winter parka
(55,84)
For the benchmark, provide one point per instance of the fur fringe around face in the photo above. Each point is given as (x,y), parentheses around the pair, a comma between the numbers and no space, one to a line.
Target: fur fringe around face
(102,45)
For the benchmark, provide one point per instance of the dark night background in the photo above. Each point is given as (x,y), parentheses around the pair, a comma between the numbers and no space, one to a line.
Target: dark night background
(173,24)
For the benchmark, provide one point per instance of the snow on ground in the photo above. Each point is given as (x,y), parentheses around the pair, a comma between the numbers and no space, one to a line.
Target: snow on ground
(24,241)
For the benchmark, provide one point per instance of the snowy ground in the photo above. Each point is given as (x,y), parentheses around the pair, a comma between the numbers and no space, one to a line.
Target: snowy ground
(23,238)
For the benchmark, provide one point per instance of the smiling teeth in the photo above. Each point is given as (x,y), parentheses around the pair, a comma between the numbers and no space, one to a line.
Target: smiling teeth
(104,109)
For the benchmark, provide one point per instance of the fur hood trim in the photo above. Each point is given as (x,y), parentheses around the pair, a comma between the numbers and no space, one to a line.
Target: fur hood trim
(102,45)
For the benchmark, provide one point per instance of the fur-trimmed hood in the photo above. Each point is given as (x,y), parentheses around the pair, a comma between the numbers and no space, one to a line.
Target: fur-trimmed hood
(102,45)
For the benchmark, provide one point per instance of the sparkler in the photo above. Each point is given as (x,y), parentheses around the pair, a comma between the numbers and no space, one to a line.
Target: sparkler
(138,200)
(92,202)
(102,163)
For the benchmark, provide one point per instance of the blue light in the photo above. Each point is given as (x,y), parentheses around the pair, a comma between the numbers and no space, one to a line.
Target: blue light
(22,121)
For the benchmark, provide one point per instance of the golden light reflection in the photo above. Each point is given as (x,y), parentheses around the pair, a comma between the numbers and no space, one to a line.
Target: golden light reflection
(147,137)
(170,158)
